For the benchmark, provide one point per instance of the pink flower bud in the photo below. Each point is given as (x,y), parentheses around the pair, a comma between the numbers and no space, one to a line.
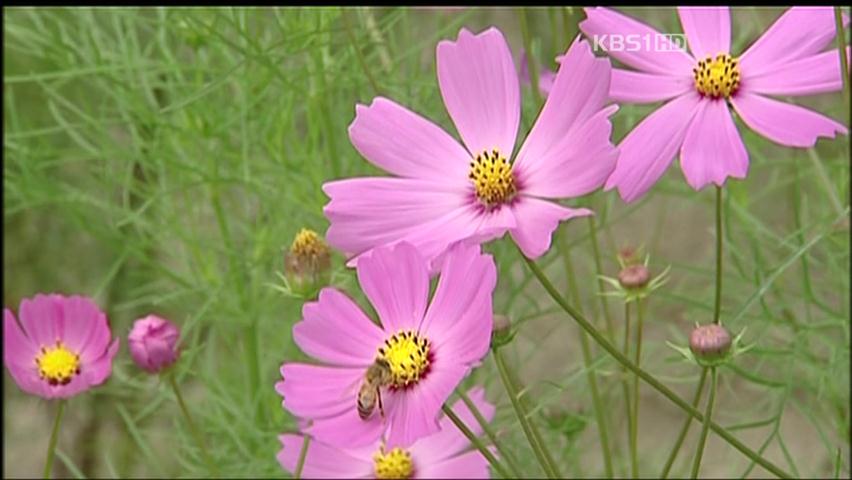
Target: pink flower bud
(710,342)
(153,342)
(634,276)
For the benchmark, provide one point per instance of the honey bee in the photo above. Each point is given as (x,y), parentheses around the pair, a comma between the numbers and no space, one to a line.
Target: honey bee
(378,375)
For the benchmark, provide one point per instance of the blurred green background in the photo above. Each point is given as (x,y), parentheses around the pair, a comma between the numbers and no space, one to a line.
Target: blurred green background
(161,160)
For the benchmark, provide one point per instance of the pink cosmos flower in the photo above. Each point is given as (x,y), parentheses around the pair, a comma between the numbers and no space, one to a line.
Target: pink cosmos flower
(444,191)
(788,59)
(427,348)
(444,454)
(61,348)
(153,343)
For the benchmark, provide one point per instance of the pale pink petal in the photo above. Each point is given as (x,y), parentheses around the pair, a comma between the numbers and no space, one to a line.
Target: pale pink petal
(639,87)
(707,29)
(86,329)
(806,76)
(41,318)
(27,379)
(479,85)
(321,460)
(468,465)
(650,147)
(312,391)
(18,349)
(347,429)
(99,370)
(786,124)
(798,33)
(653,52)
(577,164)
(336,331)
(580,90)
(713,149)
(406,144)
(396,281)
(450,441)
(537,219)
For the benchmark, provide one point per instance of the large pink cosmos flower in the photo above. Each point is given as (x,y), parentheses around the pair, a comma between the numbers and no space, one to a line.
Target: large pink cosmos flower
(428,350)
(445,454)
(61,348)
(444,192)
(788,59)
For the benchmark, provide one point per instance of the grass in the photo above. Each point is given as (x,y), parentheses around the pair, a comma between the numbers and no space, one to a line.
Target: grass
(161,160)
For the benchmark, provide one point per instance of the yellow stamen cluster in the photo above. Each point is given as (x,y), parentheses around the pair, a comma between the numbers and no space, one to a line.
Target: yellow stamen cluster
(394,464)
(717,78)
(407,353)
(492,178)
(308,244)
(57,365)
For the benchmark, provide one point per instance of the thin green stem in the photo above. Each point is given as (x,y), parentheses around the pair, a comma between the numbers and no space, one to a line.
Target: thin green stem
(648,378)
(717,306)
(541,454)
(486,427)
(628,405)
(344,15)
(840,38)
(303,454)
(634,431)
(195,432)
(54,437)
(708,413)
(475,441)
(686,424)
(593,237)
(568,25)
(532,66)
(597,401)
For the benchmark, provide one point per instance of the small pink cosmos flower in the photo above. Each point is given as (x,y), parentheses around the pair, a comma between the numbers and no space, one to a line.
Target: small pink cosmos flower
(153,343)
(444,191)
(788,59)
(445,454)
(428,348)
(61,348)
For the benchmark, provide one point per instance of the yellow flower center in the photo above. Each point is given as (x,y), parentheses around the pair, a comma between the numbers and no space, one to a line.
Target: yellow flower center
(717,78)
(57,365)
(492,178)
(308,244)
(407,354)
(394,464)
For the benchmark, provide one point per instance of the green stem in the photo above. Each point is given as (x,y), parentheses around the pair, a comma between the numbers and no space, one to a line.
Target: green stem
(840,38)
(544,459)
(686,424)
(568,25)
(626,388)
(195,432)
(532,67)
(717,306)
(699,452)
(600,416)
(475,441)
(54,437)
(344,14)
(593,236)
(486,427)
(303,454)
(648,378)
(635,418)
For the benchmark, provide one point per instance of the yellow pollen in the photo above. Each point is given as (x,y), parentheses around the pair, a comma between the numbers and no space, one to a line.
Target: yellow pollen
(57,365)
(407,353)
(492,178)
(308,244)
(394,464)
(717,78)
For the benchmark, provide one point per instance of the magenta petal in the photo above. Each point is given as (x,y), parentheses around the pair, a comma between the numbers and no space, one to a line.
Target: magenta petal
(98,371)
(786,124)
(713,149)
(663,57)
(468,465)
(18,349)
(650,147)
(28,380)
(406,144)
(707,29)
(396,281)
(479,85)
(336,331)
(537,219)
(450,441)
(321,460)
(42,319)
(798,33)
(806,76)
(347,430)
(312,391)
(638,87)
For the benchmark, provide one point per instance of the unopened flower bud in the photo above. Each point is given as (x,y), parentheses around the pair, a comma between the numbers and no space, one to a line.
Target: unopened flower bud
(628,255)
(308,261)
(710,342)
(153,343)
(634,276)
(501,332)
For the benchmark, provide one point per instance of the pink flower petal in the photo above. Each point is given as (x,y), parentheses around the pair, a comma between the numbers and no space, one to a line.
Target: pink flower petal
(18,349)
(347,429)
(312,391)
(713,149)
(638,87)
(321,460)
(654,53)
(468,465)
(336,331)
(798,33)
(651,146)
(98,371)
(787,124)
(406,144)
(479,85)
(41,317)
(396,281)
(27,379)
(806,76)
(450,441)
(707,29)
(537,219)
(85,326)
